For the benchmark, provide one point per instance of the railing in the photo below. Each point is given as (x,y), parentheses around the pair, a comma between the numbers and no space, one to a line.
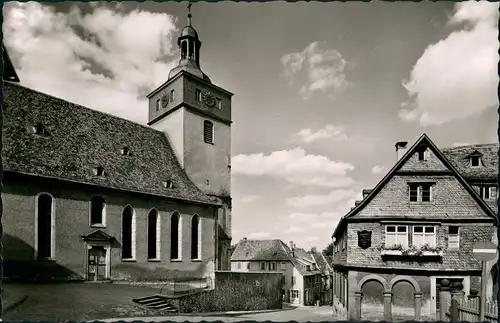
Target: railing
(468,310)
(180,287)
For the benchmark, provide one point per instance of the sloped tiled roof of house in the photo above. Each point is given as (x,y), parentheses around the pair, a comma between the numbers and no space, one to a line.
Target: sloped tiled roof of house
(260,250)
(79,139)
(320,261)
(459,157)
(329,259)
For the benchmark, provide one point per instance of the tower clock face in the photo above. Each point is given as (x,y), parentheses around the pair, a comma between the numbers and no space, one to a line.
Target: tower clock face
(208,98)
(164,100)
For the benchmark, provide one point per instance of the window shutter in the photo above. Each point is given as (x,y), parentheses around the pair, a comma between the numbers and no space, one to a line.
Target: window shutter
(208,132)
(493,193)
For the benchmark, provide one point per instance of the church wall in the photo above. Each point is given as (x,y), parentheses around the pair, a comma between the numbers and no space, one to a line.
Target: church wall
(72,221)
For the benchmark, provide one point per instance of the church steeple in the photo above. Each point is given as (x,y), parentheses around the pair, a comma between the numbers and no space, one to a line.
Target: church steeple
(189,47)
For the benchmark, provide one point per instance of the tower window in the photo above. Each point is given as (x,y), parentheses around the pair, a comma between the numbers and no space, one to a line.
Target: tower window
(172,95)
(219,104)
(208,132)
(475,161)
(158,104)
(198,95)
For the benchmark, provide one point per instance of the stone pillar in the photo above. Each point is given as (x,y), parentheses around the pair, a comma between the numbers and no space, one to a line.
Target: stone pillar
(387,306)
(444,298)
(418,305)
(456,296)
(358,297)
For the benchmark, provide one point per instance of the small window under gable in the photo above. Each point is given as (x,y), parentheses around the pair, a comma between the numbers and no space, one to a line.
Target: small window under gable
(422,154)
(172,95)
(420,192)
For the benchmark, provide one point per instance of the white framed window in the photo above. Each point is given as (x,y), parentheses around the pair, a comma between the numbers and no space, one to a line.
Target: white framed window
(198,95)
(176,237)
(154,235)
(475,161)
(196,237)
(396,235)
(453,237)
(219,104)
(158,105)
(421,192)
(488,192)
(97,216)
(273,266)
(239,265)
(172,95)
(283,265)
(248,266)
(423,154)
(293,280)
(294,293)
(128,233)
(45,235)
(424,235)
(262,266)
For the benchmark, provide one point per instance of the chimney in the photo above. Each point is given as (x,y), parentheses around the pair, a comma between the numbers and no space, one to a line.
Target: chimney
(292,248)
(357,203)
(401,148)
(366,191)
(244,238)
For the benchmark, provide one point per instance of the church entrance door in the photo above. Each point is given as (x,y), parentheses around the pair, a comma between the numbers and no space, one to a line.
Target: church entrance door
(96,268)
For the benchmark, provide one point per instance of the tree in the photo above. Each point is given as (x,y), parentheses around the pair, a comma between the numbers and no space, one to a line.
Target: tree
(328,251)
(313,250)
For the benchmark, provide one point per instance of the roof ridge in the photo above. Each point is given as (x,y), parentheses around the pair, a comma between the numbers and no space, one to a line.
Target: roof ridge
(471,146)
(80,106)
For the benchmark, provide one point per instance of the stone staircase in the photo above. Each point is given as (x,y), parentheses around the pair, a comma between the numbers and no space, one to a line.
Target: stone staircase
(156,302)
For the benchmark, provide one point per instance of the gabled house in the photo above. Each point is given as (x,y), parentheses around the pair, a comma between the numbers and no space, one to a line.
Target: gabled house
(418,225)
(301,277)
(326,276)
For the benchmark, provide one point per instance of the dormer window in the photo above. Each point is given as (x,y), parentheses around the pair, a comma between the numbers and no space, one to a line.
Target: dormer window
(99,171)
(475,161)
(125,151)
(39,129)
(168,184)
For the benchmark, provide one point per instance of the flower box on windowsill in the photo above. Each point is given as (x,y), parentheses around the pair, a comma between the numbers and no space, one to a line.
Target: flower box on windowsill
(411,253)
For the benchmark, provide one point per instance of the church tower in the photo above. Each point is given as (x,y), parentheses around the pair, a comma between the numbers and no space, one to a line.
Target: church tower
(196,116)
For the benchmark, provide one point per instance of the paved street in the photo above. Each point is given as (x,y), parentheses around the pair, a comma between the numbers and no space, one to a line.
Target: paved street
(301,314)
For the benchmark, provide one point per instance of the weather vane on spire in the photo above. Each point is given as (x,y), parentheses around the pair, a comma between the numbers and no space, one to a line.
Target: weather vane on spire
(189,13)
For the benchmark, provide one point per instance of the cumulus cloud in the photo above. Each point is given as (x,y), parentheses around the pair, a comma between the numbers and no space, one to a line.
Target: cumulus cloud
(312,238)
(329,132)
(259,235)
(250,198)
(377,169)
(333,197)
(106,59)
(457,77)
(296,167)
(307,217)
(317,68)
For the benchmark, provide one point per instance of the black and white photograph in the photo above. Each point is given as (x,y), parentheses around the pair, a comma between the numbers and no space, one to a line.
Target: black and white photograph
(250,161)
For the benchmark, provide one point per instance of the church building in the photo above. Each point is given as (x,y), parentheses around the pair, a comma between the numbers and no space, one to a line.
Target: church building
(87,195)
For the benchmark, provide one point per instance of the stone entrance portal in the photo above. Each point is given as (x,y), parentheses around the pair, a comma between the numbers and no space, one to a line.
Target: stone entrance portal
(98,256)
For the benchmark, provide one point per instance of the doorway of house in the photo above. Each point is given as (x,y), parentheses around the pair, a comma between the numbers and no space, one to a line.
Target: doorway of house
(96,270)
(294,296)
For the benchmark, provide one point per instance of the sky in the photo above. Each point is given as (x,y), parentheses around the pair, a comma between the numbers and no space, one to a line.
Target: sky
(322,91)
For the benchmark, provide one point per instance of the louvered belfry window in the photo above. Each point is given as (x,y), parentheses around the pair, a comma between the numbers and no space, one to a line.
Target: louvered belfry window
(208,132)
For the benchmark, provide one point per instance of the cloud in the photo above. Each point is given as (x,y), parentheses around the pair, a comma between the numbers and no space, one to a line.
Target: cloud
(323,69)
(329,225)
(333,197)
(296,167)
(107,60)
(329,132)
(377,169)
(457,77)
(308,217)
(312,238)
(250,198)
(294,229)
(458,144)
(258,235)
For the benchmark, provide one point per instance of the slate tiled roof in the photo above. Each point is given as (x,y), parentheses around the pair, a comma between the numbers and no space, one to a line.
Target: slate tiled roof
(81,139)
(320,261)
(260,250)
(459,157)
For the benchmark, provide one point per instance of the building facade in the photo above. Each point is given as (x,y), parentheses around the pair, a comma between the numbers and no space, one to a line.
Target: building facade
(301,276)
(418,225)
(87,195)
